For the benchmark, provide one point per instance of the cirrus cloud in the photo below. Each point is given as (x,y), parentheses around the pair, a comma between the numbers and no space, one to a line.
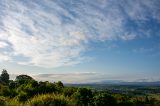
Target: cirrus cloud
(56,33)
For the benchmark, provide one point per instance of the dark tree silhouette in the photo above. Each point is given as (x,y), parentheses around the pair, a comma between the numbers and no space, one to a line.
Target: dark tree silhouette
(5,76)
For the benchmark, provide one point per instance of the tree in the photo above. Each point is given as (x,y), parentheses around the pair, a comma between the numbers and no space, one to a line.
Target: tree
(12,84)
(46,87)
(103,99)
(60,84)
(82,97)
(69,91)
(21,79)
(5,76)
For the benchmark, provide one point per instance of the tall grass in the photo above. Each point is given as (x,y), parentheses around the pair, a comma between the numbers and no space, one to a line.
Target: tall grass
(38,100)
(49,100)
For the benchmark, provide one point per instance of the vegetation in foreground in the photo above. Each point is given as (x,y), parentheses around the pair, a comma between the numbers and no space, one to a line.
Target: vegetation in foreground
(25,91)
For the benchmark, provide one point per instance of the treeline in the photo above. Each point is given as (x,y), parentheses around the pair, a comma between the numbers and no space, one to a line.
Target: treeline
(26,91)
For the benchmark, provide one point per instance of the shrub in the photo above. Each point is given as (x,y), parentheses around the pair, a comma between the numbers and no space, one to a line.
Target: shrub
(22,96)
(4,90)
(49,100)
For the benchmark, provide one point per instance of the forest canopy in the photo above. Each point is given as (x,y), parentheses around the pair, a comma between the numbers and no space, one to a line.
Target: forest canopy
(26,91)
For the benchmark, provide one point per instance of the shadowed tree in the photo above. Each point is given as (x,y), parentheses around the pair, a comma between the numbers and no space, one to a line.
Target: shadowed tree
(5,76)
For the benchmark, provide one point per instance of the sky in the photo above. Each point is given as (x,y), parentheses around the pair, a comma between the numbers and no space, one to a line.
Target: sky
(79,41)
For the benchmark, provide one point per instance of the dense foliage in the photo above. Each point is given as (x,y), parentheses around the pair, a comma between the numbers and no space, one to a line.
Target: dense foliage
(25,91)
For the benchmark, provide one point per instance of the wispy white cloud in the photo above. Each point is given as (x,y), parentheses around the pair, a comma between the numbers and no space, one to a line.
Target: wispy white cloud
(150,51)
(144,50)
(85,77)
(141,10)
(56,33)
(78,77)
(3,44)
(4,57)
(90,77)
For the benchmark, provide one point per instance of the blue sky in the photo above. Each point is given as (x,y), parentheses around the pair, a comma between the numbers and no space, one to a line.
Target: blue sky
(81,40)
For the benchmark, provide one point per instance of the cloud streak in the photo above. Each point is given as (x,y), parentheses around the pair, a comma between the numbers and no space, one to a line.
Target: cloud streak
(89,77)
(71,77)
(57,33)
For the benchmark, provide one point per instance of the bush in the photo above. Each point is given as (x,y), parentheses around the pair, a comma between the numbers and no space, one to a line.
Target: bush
(4,90)
(49,100)
(22,96)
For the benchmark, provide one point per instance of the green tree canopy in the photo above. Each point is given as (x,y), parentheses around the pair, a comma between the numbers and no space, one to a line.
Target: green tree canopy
(104,99)
(83,96)
(21,79)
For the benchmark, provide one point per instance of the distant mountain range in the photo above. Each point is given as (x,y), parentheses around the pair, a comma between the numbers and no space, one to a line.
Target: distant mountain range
(120,82)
